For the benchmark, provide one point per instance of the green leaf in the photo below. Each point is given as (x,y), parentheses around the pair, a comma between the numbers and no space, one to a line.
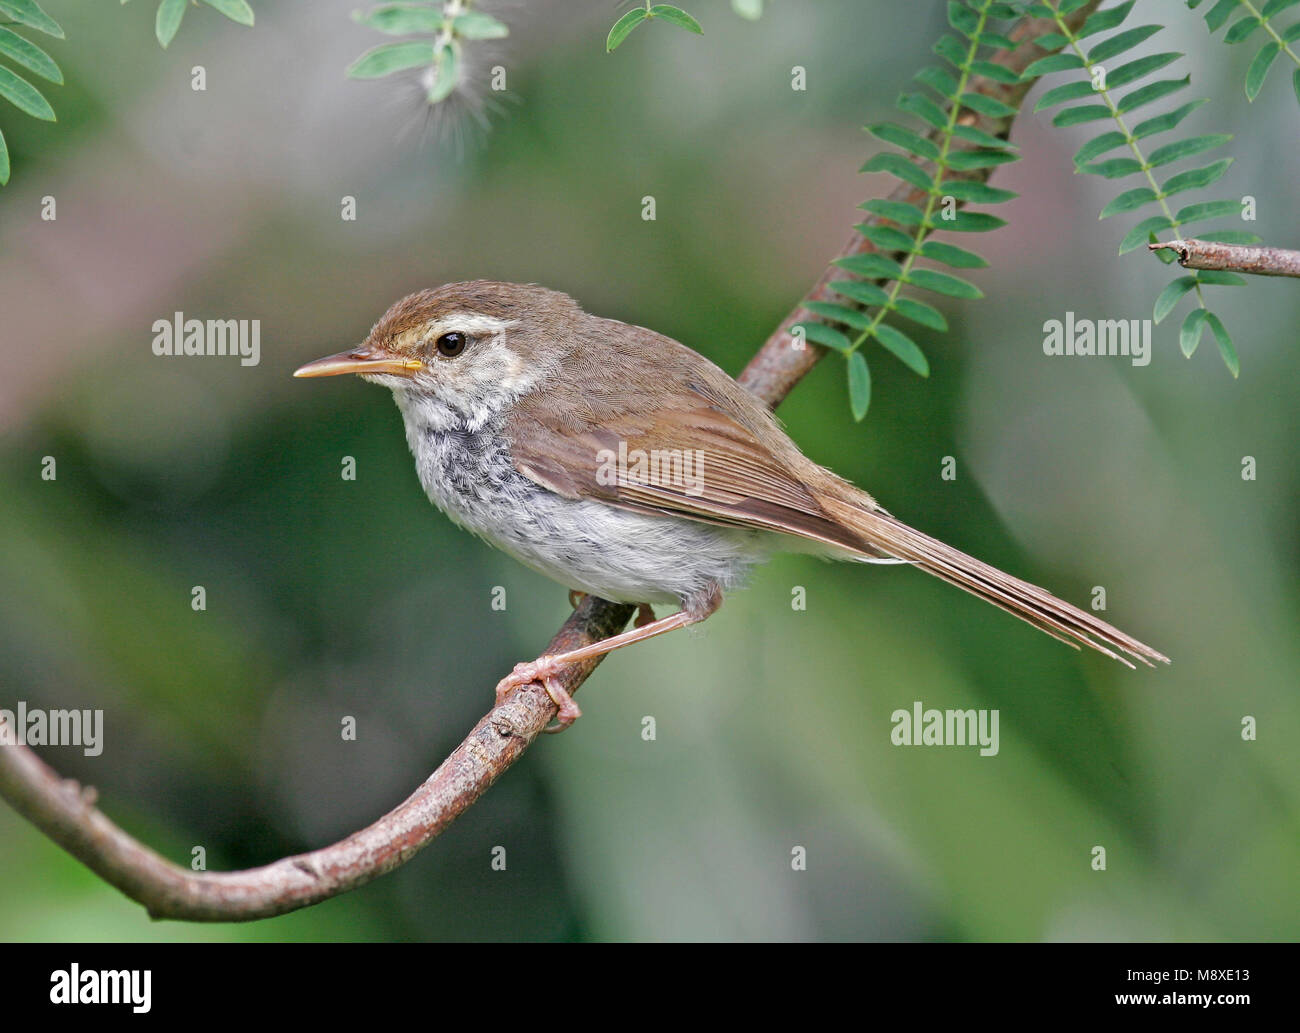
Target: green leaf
(860,290)
(1220,277)
(1068,91)
(951,49)
(388,58)
(895,211)
(29,55)
(970,222)
(1099,145)
(24,96)
(1224,341)
(235,10)
(859,385)
(28,12)
(979,158)
(886,237)
(1082,113)
(1135,70)
(1242,28)
(962,18)
(446,74)
(676,16)
(1128,200)
(1153,92)
(623,27)
(168,21)
(1052,63)
(4,160)
(1220,13)
(1161,123)
(897,165)
(985,105)
(1137,236)
(1102,21)
(827,336)
(1172,152)
(871,265)
(1276,7)
(1194,179)
(993,71)
(1114,168)
(902,346)
(901,136)
(1295,79)
(478,25)
(1169,297)
(923,108)
(1259,67)
(1117,44)
(1190,334)
(839,313)
(1205,210)
(943,283)
(977,136)
(950,254)
(975,193)
(920,312)
(937,79)
(401,19)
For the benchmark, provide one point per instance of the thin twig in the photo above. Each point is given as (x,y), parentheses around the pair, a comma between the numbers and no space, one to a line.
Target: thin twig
(1233,258)
(65,811)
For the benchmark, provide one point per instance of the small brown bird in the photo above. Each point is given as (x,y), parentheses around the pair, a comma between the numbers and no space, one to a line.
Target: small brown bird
(621,463)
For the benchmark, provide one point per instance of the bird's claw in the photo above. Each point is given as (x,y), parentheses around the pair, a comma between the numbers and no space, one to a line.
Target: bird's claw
(545,670)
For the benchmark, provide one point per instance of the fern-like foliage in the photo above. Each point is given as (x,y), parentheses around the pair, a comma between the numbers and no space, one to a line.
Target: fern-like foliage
(167,21)
(439,31)
(649,12)
(26,55)
(1256,15)
(875,294)
(1100,77)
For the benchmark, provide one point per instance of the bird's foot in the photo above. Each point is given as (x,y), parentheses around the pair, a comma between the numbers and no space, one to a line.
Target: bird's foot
(576,597)
(645,614)
(545,669)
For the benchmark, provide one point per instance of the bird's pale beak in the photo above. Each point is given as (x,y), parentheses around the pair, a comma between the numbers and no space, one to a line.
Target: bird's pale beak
(359,360)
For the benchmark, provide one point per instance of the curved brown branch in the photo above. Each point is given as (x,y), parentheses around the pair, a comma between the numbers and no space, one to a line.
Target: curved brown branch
(66,812)
(1233,258)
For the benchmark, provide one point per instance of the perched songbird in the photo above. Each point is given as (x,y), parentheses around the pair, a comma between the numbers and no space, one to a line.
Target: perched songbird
(623,464)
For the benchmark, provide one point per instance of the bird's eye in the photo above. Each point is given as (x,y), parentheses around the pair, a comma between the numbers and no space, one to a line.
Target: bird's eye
(452,344)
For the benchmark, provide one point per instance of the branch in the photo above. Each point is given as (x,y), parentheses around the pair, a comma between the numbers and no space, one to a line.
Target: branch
(66,812)
(1233,258)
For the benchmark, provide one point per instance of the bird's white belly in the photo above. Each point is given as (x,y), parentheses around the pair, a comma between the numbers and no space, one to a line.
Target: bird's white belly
(612,553)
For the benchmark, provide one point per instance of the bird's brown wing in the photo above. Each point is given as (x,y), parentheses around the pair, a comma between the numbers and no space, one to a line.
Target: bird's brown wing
(679,443)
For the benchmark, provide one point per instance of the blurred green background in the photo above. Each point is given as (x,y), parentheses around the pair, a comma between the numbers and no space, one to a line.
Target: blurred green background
(329,597)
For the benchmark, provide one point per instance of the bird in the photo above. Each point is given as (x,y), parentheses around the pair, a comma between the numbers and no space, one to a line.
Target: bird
(623,464)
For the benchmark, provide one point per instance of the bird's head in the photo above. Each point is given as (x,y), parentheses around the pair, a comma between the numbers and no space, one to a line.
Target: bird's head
(472,346)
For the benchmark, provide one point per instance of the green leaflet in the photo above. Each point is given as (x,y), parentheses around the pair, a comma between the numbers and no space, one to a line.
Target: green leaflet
(1133,162)
(1256,23)
(938,171)
(388,58)
(859,385)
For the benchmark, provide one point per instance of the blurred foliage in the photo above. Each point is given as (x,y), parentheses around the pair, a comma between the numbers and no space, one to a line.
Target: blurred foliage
(329,598)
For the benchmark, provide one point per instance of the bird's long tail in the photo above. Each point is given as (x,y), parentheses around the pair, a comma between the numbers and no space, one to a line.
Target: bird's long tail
(1037,606)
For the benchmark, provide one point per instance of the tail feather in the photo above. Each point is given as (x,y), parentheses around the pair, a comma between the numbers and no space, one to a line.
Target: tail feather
(1069,624)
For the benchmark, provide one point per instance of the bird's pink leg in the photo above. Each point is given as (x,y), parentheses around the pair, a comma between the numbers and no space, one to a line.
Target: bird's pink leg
(546,668)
